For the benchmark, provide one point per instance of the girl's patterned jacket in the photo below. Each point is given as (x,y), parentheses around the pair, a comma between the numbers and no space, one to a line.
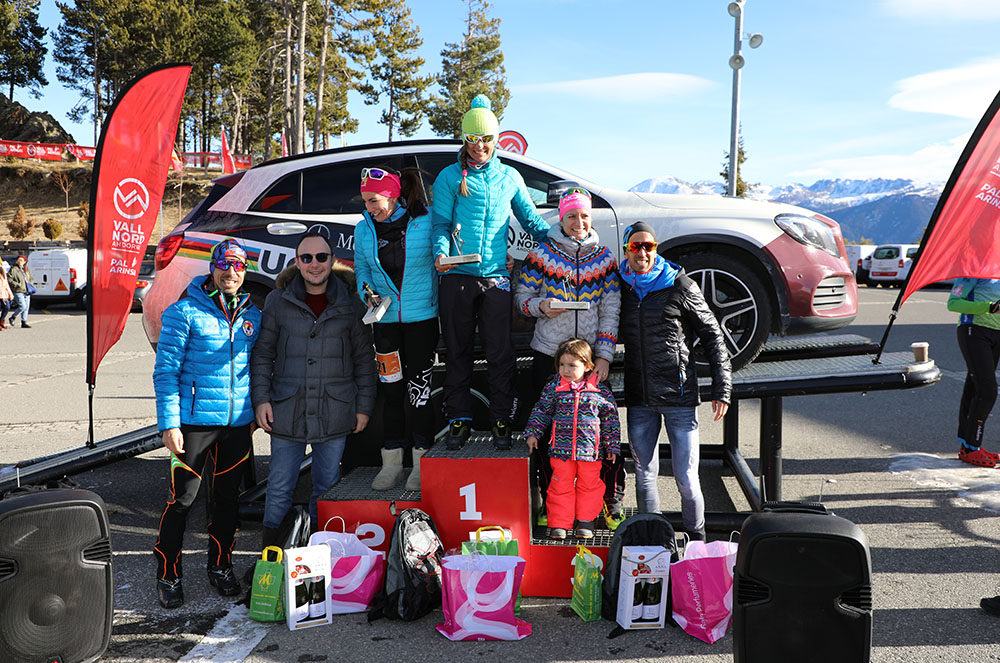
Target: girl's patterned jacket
(584,419)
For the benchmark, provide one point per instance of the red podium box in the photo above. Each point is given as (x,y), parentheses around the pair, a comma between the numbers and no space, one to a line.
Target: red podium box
(463,491)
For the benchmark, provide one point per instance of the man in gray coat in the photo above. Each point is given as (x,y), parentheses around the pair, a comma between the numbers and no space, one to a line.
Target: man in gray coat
(312,375)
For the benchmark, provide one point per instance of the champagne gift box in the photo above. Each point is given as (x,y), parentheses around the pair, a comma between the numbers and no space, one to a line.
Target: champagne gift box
(642,587)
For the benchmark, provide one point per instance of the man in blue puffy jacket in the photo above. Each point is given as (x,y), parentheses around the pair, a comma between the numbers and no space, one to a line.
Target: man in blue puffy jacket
(202,384)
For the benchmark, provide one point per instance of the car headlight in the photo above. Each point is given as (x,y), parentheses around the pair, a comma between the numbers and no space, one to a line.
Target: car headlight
(808,232)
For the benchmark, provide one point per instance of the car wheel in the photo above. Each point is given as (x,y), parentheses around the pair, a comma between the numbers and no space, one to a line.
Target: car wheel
(739,300)
(80,299)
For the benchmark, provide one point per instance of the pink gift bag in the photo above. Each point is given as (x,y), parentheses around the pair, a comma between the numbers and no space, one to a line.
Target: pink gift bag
(357,572)
(701,586)
(478,595)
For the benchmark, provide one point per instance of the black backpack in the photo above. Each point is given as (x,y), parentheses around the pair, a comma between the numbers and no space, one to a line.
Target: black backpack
(413,569)
(642,529)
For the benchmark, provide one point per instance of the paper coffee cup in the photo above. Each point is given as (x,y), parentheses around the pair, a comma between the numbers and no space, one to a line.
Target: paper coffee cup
(920,350)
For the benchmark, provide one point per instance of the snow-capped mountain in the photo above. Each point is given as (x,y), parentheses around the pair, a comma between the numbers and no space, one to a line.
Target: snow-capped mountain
(669,184)
(880,210)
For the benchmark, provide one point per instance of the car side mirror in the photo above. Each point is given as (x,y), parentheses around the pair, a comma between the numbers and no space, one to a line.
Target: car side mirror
(556,190)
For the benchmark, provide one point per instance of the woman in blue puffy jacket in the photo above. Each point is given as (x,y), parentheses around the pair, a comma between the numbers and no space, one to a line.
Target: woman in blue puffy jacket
(393,263)
(473,200)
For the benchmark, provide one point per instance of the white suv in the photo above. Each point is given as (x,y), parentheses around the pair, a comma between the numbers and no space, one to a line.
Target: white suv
(764,267)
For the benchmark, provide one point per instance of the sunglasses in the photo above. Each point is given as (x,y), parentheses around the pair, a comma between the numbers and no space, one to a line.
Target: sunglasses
(237,265)
(375,173)
(307,258)
(635,247)
(572,190)
(478,138)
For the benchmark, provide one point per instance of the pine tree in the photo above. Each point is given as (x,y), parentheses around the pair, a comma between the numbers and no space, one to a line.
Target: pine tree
(22,47)
(394,73)
(340,48)
(742,188)
(470,67)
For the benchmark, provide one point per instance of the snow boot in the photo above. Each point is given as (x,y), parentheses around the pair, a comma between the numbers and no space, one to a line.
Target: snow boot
(392,469)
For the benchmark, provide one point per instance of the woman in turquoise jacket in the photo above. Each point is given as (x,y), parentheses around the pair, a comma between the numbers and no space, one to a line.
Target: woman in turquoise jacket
(473,200)
(393,264)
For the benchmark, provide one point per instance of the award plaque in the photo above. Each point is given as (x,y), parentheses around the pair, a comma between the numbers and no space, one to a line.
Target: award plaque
(570,306)
(377,309)
(460,258)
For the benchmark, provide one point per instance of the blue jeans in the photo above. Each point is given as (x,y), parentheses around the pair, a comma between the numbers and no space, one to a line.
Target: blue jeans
(283,475)
(682,431)
(22,301)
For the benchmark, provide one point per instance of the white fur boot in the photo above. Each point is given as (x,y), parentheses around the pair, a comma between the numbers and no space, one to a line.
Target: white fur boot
(413,482)
(392,469)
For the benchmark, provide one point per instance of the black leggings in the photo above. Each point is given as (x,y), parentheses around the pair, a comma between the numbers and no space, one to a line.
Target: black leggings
(229,448)
(465,302)
(408,415)
(980,347)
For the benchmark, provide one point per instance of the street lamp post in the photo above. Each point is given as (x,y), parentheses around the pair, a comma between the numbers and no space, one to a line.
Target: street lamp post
(736,63)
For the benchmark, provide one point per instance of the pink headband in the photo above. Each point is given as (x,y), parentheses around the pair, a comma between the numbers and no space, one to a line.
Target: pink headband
(388,186)
(573,201)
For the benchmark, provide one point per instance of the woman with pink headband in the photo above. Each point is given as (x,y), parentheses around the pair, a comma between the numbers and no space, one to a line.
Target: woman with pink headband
(572,266)
(393,262)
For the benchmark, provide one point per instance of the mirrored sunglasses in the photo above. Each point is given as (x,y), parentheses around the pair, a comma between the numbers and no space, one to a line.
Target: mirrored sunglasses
(635,247)
(479,138)
(575,189)
(223,264)
(307,258)
(374,173)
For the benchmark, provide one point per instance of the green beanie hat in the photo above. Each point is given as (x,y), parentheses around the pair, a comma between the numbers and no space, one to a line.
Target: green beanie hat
(480,119)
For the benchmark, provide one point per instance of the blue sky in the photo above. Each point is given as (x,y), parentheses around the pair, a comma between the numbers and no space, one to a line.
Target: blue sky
(618,92)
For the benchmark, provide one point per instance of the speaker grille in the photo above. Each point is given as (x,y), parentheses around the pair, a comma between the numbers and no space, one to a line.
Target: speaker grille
(57,603)
(858,598)
(8,567)
(749,591)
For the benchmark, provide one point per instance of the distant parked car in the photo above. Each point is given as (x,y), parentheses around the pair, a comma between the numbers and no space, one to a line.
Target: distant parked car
(859,259)
(144,280)
(764,267)
(891,263)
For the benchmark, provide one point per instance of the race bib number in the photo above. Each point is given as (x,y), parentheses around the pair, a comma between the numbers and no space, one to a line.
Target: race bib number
(390,369)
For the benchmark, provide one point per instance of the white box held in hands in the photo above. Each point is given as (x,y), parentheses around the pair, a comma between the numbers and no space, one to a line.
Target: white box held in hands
(375,313)
(643,586)
(570,306)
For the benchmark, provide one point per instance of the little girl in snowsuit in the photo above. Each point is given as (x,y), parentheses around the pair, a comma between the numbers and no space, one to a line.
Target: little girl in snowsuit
(585,428)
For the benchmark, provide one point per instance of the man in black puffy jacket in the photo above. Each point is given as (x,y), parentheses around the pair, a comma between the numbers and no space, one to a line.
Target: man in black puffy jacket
(662,313)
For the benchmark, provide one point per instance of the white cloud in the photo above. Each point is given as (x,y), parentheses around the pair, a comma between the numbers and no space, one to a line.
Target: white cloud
(933,163)
(627,88)
(964,91)
(939,9)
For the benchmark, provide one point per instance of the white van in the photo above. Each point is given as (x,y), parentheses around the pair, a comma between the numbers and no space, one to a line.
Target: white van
(891,263)
(59,275)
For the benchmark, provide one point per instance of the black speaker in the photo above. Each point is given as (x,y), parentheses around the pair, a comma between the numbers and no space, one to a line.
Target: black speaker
(55,577)
(802,590)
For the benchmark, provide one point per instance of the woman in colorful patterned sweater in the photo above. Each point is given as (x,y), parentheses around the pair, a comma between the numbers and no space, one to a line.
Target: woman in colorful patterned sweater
(572,266)
(585,430)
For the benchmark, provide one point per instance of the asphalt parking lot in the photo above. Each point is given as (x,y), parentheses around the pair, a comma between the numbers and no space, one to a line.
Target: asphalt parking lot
(934,546)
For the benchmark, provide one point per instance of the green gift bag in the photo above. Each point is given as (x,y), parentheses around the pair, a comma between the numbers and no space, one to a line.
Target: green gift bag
(267,603)
(492,547)
(586,600)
